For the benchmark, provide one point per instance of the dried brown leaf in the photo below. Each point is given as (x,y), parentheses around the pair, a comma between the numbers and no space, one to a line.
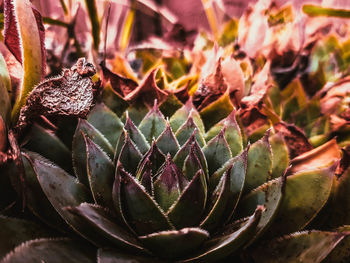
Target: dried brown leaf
(295,138)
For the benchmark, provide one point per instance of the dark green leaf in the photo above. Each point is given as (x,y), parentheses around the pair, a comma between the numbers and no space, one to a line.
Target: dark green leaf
(186,240)
(153,124)
(53,251)
(140,210)
(107,122)
(188,208)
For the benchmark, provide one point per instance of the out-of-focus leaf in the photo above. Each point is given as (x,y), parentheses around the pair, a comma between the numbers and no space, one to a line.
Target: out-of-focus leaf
(308,246)
(92,9)
(313,10)
(24,35)
(5,89)
(42,250)
(295,138)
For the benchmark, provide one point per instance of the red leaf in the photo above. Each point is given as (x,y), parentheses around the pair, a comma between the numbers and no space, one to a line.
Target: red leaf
(41,29)
(123,86)
(147,92)
(12,38)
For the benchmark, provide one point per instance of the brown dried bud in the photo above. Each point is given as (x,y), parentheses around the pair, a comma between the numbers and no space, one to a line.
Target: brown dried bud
(71,94)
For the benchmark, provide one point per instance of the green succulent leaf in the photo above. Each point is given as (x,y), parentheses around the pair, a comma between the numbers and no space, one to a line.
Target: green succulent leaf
(108,255)
(129,155)
(217,152)
(232,133)
(100,171)
(101,221)
(167,141)
(221,246)
(216,111)
(269,195)
(188,208)
(141,211)
(48,145)
(308,247)
(305,194)
(259,164)
(186,130)
(227,194)
(63,191)
(192,165)
(169,184)
(153,159)
(186,240)
(135,135)
(153,124)
(79,148)
(53,251)
(280,155)
(341,252)
(107,122)
(182,114)
(185,150)
(339,213)
(15,231)
(36,200)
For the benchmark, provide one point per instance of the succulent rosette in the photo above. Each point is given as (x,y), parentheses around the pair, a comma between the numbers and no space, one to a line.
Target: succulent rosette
(167,190)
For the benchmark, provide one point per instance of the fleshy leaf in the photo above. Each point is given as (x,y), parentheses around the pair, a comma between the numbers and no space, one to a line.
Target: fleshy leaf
(182,114)
(316,158)
(280,155)
(5,89)
(217,152)
(15,231)
(147,91)
(167,142)
(135,135)
(225,198)
(129,155)
(186,240)
(106,255)
(259,164)
(102,222)
(184,151)
(153,158)
(305,194)
(220,247)
(24,37)
(270,196)
(100,171)
(341,252)
(42,250)
(153,124)
(48,145)
(186,130)
(188,208)
(216,111)
(123,86)
(79,148)
(63,191)
(339,207)
(308,246)
(169,184)
(36,200)
(107,122)
(192,164)
(141,211)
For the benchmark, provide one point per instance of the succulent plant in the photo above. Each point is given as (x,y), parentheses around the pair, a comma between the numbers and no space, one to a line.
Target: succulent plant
(166,190)
(209,158)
